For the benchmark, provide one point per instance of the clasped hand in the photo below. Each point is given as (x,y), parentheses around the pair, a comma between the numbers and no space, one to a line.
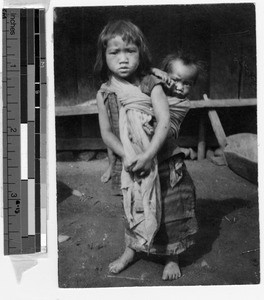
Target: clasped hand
(139,164)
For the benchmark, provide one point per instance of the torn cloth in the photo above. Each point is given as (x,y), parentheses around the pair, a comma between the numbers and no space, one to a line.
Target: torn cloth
(142,197)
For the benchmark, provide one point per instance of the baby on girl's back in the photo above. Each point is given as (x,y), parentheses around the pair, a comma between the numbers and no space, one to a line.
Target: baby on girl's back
(136,120)
(179,73)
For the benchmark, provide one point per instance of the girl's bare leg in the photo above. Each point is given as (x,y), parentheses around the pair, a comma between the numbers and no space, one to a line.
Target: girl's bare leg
(123,261)
(107,174)
(171,270)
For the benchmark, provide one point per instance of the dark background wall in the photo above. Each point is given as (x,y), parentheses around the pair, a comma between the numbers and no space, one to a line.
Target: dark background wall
(223,35)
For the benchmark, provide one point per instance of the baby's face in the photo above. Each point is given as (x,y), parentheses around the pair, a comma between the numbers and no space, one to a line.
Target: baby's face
(183,77)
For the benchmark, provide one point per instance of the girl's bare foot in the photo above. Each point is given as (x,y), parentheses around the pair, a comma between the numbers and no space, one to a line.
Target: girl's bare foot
(122,262)
(107,175)
(171,270)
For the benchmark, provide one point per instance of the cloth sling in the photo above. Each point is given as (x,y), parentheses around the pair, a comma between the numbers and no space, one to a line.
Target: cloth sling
(141,196)
(178,110)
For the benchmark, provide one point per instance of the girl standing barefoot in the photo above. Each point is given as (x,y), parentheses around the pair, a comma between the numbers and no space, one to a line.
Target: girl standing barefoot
(129,102)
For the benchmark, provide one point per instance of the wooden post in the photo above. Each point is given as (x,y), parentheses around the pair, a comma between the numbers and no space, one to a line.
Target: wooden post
(201,139)
(217,126)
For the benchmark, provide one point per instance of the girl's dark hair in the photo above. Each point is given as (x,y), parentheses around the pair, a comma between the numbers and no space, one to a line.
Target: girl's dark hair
(130,33)
(187,58)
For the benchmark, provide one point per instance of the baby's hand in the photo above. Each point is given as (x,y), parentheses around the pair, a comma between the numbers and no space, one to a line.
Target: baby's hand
(163,76)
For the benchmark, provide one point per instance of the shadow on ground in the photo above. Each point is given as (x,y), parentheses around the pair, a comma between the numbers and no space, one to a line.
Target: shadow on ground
(210,215)
(63,191)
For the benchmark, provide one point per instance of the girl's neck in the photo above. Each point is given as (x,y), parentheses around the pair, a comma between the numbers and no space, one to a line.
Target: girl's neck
(132,79)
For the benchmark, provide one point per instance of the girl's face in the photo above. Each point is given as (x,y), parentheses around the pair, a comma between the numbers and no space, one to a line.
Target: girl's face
(183,77)
(122,58)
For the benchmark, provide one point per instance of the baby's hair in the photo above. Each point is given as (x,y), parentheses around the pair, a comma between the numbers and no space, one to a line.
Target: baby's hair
(130,33)
(187,58)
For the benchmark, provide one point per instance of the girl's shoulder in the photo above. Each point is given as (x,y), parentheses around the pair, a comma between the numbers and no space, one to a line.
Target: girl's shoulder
(104,87)
(105,91)
(148,82)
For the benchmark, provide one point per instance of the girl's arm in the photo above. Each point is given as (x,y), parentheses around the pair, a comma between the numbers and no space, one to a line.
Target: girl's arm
(161,110)
(162,114)
(109,138)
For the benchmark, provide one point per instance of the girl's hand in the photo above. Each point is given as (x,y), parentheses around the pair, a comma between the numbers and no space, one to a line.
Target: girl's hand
(142,165)
(163,76)
(128,164)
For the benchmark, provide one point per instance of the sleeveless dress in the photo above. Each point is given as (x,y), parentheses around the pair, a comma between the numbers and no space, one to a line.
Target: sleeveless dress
(177,221)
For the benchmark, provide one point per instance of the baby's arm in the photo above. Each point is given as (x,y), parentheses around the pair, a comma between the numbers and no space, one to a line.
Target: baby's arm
(161,110)
(163,76)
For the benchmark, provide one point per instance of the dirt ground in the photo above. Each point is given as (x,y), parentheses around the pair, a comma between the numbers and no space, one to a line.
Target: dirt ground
(227,243)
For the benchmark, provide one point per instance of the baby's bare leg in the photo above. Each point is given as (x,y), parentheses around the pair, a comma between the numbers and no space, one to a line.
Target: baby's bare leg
(171,270)
(108,173)
(123,261)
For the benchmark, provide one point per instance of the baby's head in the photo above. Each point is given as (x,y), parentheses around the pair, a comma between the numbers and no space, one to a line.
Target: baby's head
(131,35)
(183,69)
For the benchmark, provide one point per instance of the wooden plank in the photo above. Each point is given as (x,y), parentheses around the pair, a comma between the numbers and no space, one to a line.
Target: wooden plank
(88,109)
(223,103)
(216,124)
(62,111)
(79,144)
